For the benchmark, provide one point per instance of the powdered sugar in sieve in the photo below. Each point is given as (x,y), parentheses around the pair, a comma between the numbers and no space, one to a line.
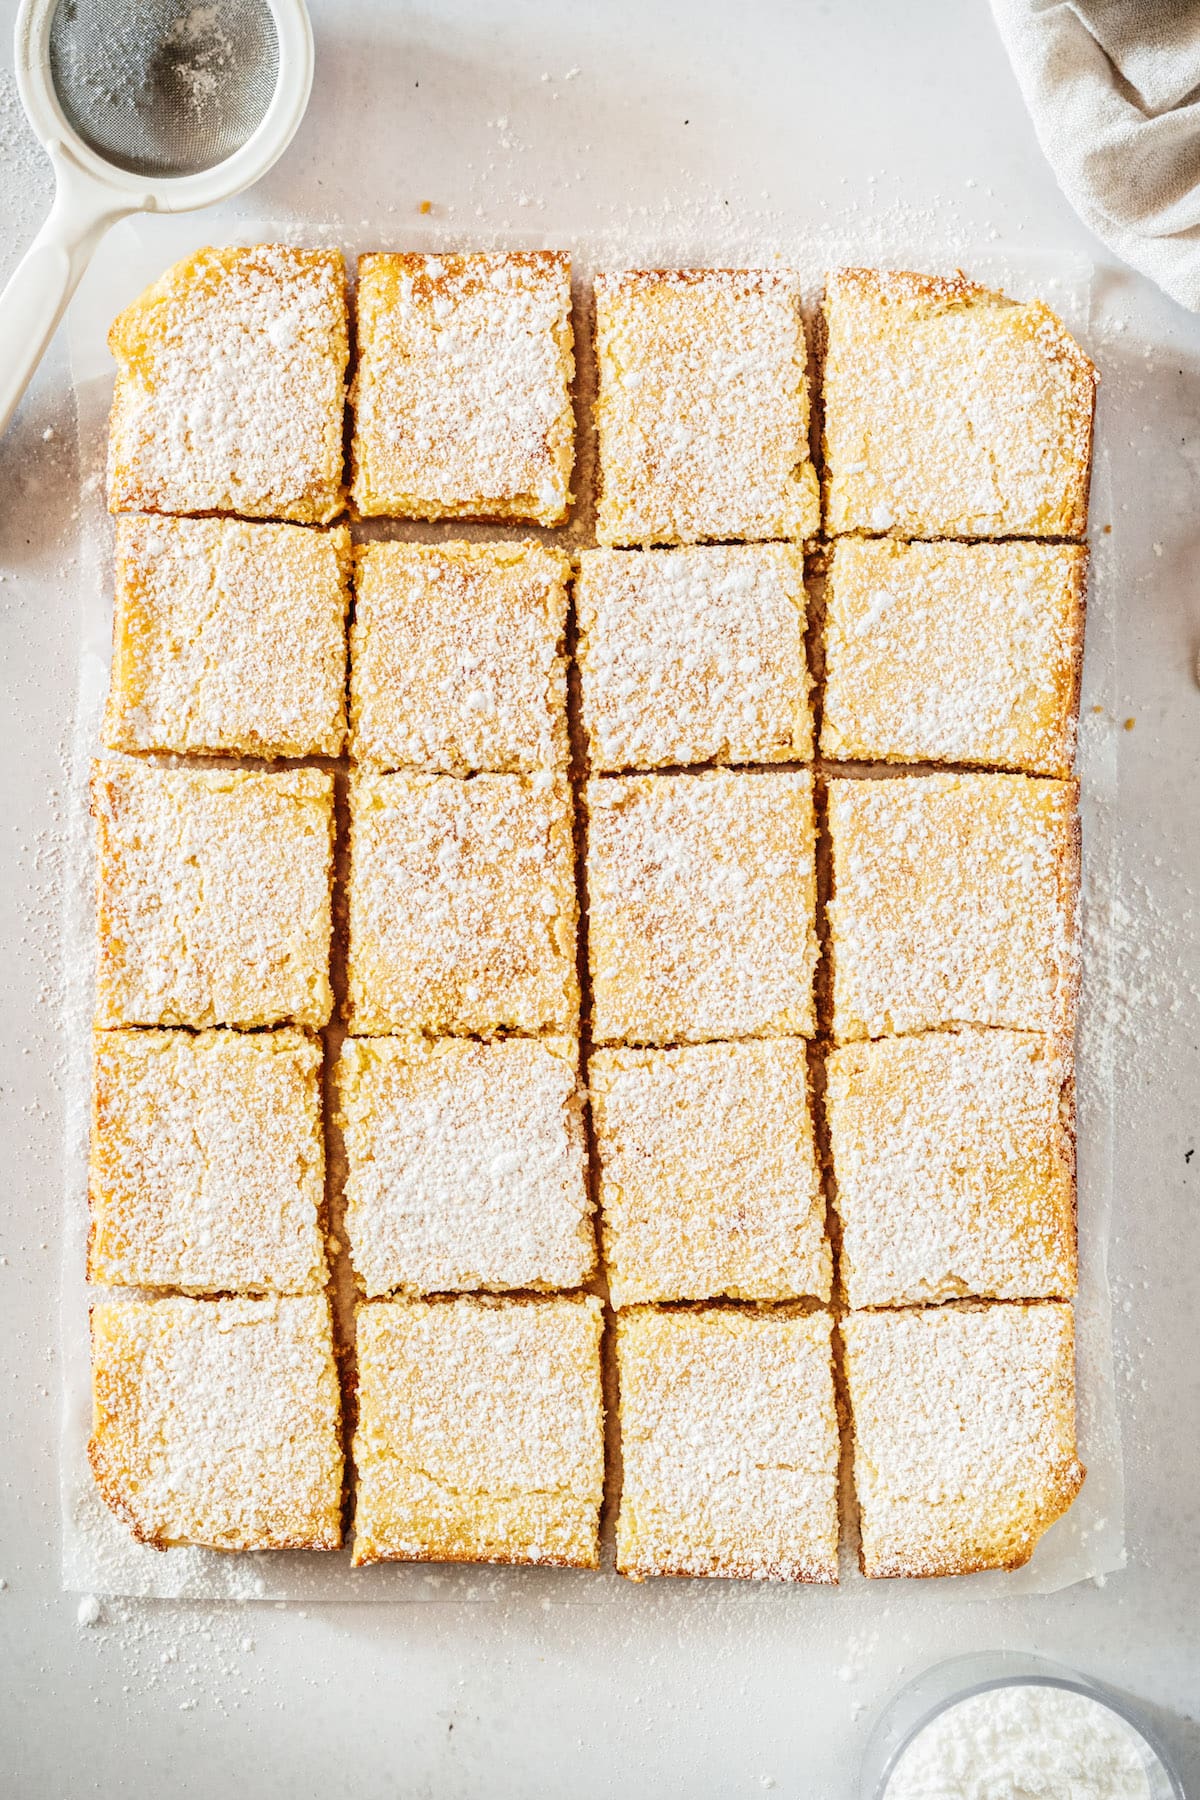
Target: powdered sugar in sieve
(163,87)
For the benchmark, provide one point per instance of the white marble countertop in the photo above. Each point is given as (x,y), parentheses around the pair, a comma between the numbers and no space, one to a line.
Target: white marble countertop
(892,125)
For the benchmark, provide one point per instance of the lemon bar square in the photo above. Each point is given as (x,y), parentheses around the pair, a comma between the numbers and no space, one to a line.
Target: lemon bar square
(952,411)
(954,1161)
(964,1433)
(462,905)
(693,655)
(480,1431)
(207,1167)
(466,1164)
(231,387)
(954,653)
(708,1174)
(228,637)
(462,399)
(457,660)
(729,1445)
(702,412)
(218,1422)
(213,896)
(702,897)
(955,902)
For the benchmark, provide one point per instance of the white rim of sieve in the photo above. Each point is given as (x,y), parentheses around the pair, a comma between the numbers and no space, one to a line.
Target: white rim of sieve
(170,193)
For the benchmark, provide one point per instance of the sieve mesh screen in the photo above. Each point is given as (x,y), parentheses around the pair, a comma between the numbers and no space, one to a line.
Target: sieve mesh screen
(163,87)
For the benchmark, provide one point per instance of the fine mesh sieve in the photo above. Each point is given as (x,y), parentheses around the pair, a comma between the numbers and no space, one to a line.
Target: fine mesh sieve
(163,87)
(142,106)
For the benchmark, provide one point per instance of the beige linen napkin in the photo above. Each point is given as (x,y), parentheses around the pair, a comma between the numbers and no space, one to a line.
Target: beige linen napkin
(1113,87)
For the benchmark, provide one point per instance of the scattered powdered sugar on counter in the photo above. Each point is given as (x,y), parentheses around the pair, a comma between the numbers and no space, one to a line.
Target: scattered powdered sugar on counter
(90,1611)
(1136,973)
(1026,1742)
(28,178)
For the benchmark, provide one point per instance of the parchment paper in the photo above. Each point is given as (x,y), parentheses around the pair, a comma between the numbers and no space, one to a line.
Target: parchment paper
(99,1556)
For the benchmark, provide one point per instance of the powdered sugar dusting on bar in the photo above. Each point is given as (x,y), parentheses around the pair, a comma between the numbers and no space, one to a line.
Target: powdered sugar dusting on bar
(217,1421)
(457,657)
(480,1432)
(708,1175)
(208,1163)
(955,902)
(462,904)
(462,398)
(702,896)
(229,637)
(231,389)
(694,656)
(702,411)
(729,1444)
(964,1430)
(958,653)
(213,896)
(954,1165)
(951,411)
(466,1165)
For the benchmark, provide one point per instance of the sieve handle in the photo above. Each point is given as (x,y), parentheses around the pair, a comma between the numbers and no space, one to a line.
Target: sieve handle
(48,274)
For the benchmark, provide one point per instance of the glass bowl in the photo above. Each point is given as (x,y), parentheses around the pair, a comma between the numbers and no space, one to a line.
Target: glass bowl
(914,1707)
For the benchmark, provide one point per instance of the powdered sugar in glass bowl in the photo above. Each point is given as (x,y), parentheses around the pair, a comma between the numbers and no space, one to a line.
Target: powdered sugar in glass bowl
(1012,1725)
